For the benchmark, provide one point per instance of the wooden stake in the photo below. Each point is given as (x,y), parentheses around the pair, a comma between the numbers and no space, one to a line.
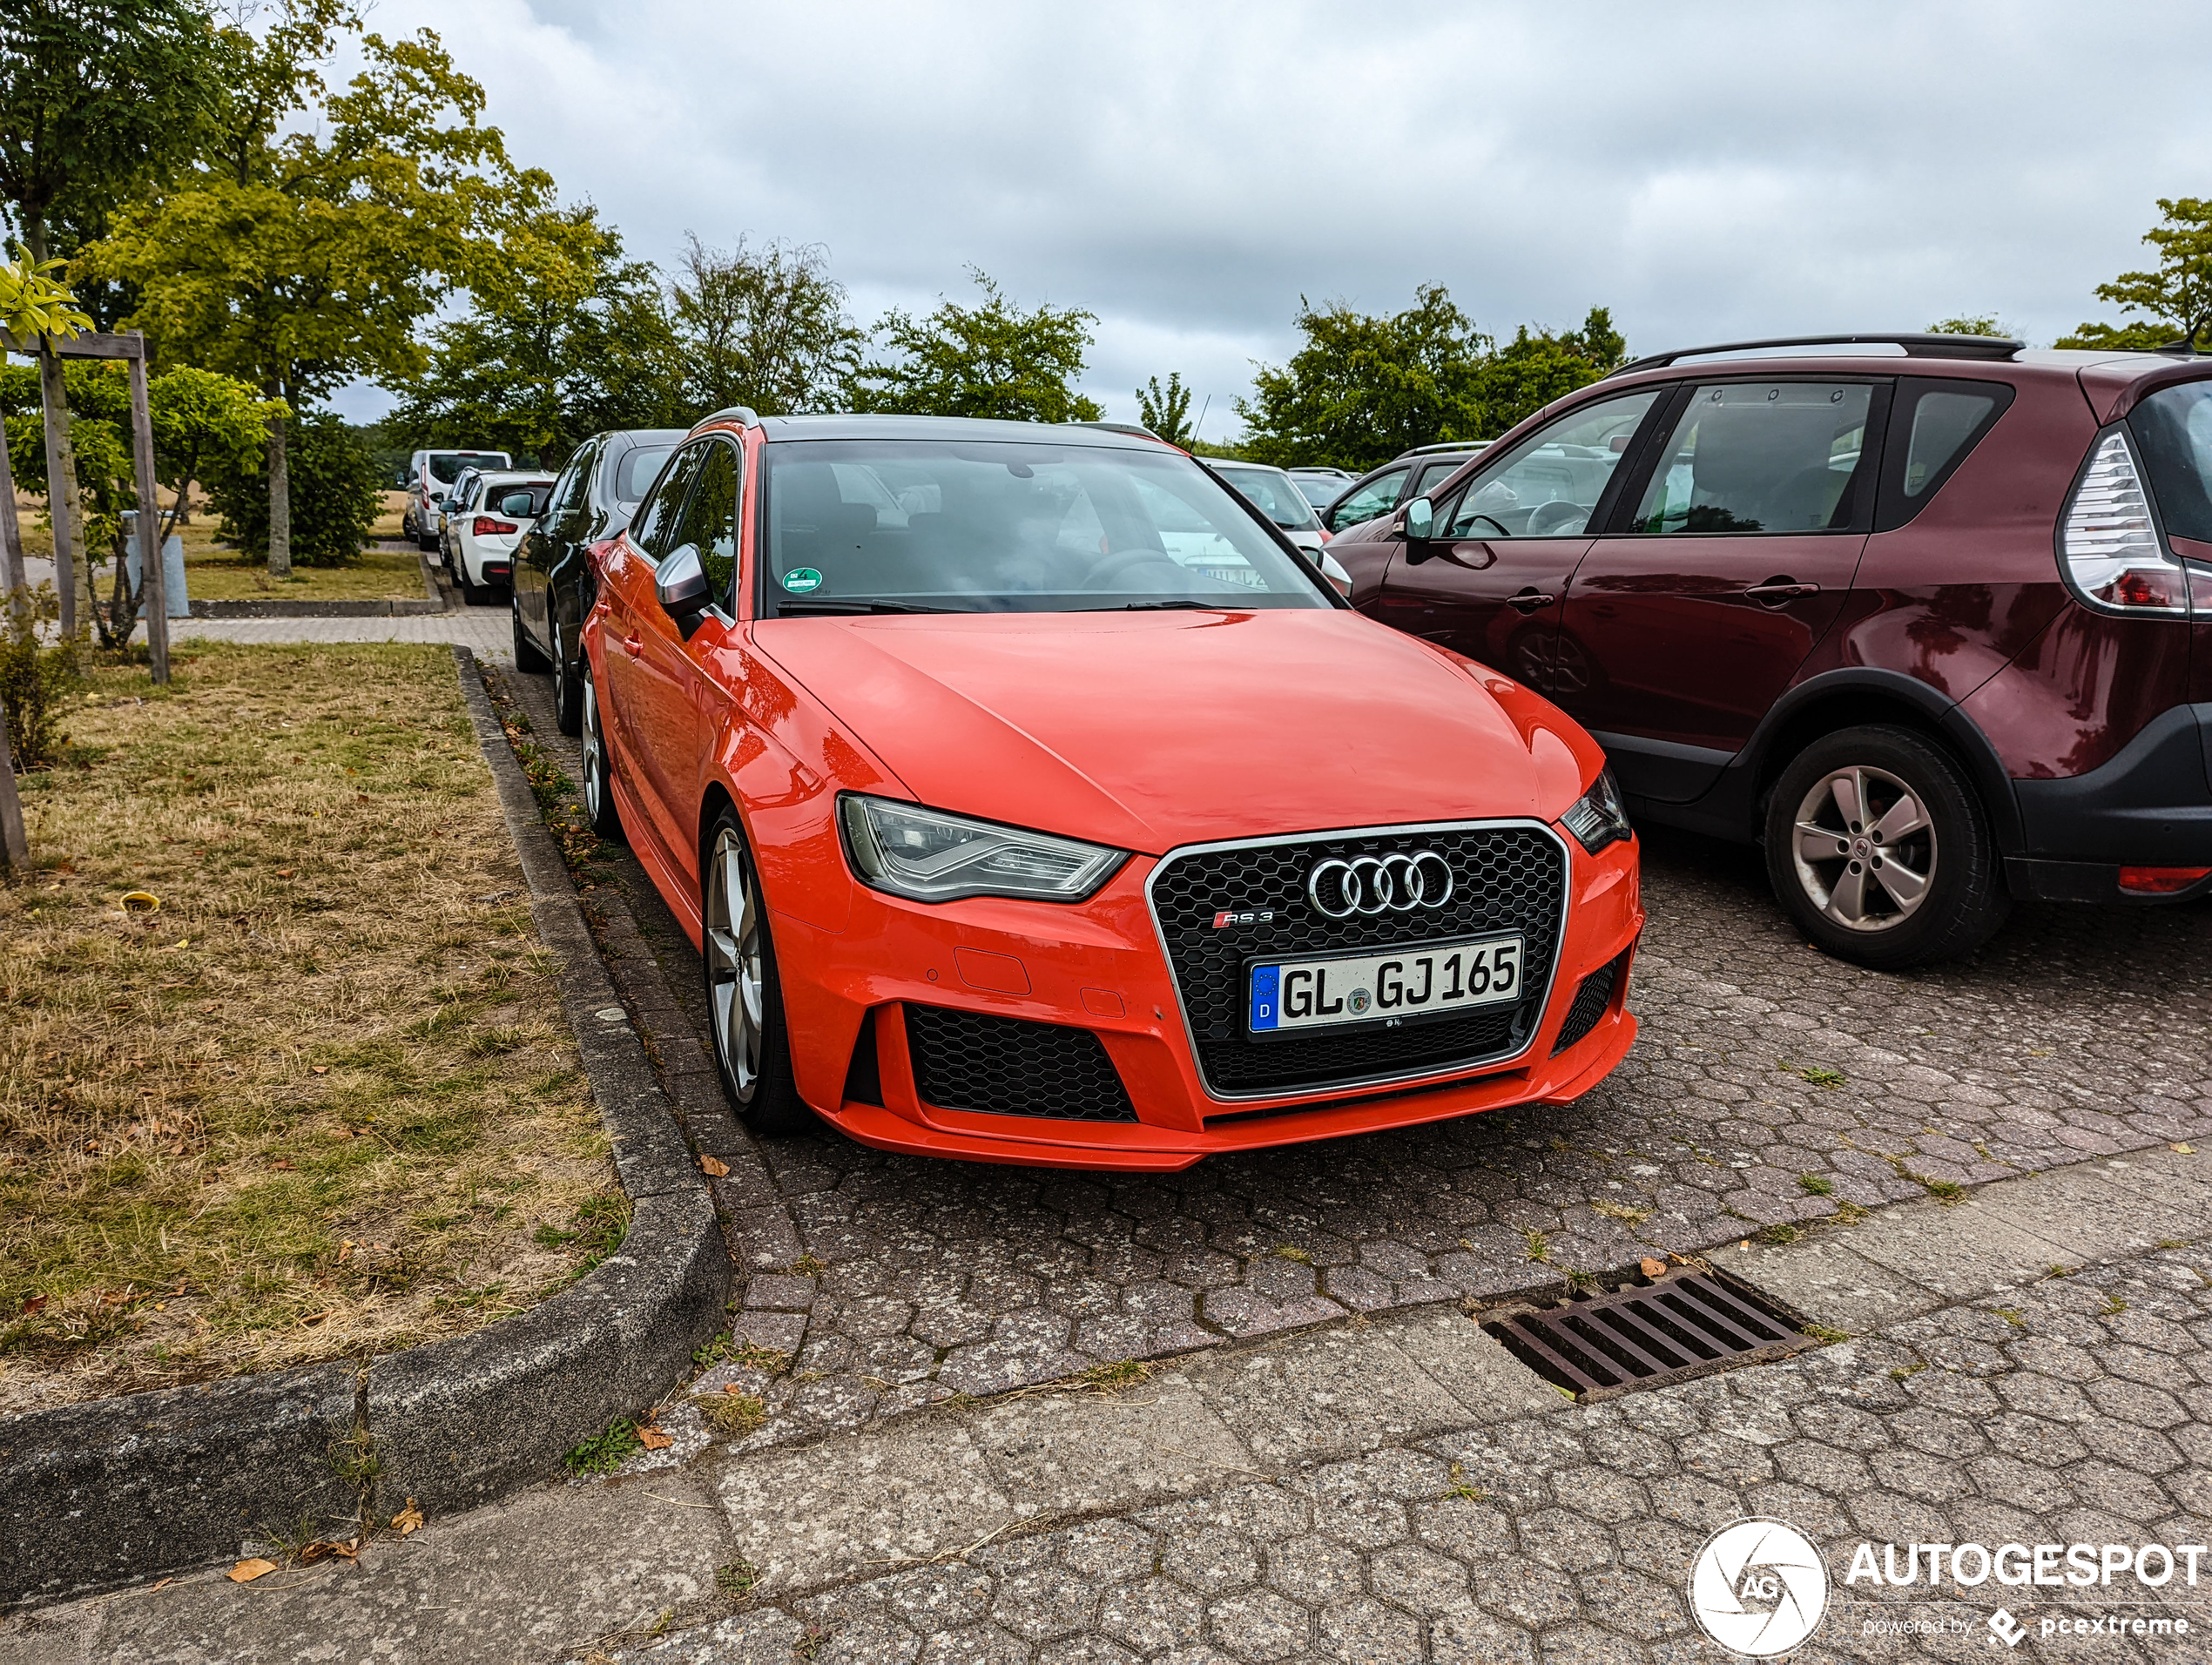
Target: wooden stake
(53,397)
(13,573)
(13,844)
(152,570)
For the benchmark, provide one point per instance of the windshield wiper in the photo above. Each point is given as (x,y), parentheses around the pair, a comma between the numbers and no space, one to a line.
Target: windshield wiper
(788,609)
(1162,607)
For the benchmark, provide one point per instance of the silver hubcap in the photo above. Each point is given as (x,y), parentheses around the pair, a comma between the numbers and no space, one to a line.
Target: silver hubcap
(1866,849)
(594,748)
(560,669)
(733,963)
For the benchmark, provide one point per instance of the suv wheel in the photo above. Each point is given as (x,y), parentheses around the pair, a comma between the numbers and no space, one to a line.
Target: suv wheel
(527,657)
(1877,845)
(599,784)
(568,683)
(744,1004)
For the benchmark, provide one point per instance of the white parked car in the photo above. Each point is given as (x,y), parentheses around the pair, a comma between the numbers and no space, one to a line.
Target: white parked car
(1277,495)
(430,475)
(485,518)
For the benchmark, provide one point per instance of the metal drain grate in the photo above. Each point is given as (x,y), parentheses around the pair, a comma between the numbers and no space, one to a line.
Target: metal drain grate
(1688,1322)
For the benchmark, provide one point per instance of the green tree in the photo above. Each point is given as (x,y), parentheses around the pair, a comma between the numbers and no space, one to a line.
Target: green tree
(2174,299)
(564,337)
(318,229)
(1537,366)
(766,327)
(204,423)
(1979,324)
(334,490)
(1365,387)
(992,359)
(1166,410)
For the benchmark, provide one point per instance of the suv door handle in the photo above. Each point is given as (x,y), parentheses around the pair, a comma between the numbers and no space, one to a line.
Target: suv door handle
(633,646)
(1779,590)
(1530,599)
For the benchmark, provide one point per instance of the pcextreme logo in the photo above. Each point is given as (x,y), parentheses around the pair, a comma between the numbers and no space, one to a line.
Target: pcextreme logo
(1758,1587)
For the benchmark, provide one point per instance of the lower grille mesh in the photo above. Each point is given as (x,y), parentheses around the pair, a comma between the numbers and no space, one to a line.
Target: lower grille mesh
(1590,1001)
(1007,1066)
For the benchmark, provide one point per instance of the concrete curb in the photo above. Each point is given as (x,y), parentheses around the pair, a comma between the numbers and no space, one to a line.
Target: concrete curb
(122,1489)
(390,608)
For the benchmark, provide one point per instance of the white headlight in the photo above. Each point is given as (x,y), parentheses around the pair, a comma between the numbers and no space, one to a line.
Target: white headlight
(934,857)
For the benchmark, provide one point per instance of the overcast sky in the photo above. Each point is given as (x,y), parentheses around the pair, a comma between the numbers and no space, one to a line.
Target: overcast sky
(1187,172)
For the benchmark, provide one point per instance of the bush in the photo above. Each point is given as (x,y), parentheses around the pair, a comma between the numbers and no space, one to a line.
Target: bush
(34,676)
(336,494)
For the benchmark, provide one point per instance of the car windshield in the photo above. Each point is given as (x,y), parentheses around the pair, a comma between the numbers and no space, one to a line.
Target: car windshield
(1274,493)
(636,472)
(995,526)
(1320,491)
(446,466)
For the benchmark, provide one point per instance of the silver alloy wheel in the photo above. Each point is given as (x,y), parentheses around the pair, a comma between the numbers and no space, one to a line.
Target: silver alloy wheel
(1865,848)
(733,963)
(595,750)
(560,666)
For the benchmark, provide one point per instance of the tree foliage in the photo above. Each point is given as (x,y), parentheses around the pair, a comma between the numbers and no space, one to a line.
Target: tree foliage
(766,328)
(2173,299)
(1365,387)
(564,337)
(34,302)
(335,494)
(1969,324)
(1166,410)
(990,359)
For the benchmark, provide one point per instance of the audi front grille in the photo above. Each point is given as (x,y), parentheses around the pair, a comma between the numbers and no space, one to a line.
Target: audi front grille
(1509,876)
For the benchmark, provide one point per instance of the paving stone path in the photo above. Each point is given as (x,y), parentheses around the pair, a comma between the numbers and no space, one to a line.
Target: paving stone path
(1770,1086)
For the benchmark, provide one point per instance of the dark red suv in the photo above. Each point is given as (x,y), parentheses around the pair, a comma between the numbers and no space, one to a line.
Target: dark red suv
(1936,628)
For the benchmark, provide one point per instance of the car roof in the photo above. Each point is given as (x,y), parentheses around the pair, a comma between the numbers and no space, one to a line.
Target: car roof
(508,477)
(775,429)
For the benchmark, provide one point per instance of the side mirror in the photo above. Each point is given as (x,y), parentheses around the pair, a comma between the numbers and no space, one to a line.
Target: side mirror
(1421,515)
(516,503)
(681,584)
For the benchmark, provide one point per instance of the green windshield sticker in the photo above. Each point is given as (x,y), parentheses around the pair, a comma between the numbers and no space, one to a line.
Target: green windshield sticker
(800,580)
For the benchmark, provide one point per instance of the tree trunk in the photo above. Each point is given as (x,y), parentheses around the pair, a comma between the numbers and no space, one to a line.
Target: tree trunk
(280,502)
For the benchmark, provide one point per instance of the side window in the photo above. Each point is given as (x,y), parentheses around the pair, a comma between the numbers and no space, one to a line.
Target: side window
(710,519)
(1433,474)
(1933,427)
(1378,497)
(1549,484)
(567,492)
(656,516)
(1760,456)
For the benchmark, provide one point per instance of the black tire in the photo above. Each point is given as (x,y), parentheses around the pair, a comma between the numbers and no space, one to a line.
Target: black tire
(526,657)
(598,770)
(1912,878)
(739,951)
(567,679)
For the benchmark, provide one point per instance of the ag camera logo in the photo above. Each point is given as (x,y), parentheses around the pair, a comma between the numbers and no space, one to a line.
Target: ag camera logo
(1758,1587)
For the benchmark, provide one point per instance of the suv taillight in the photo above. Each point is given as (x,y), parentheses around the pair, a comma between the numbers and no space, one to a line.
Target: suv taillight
(487,527)
(2109,544)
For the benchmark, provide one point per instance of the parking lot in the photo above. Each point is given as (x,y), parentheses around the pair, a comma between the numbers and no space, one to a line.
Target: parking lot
(1769,1085)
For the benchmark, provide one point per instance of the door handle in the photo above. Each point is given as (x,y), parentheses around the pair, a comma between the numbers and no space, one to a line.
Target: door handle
(1530,599)
(633,646)
(1778,590)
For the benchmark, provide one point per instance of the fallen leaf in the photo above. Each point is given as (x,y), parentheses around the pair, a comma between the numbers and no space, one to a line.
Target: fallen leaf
(324,1548)
(408,1519)
(317,1318)
(285,1165)
(733,1387)
(284,872)
(251,1568)
(319,1069)
(1652,1268)
(715,1167)
(162,1585)
(653,1439)
(2183,1148)
(34,1304)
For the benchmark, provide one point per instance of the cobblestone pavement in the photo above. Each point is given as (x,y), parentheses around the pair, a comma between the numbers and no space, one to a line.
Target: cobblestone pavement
(487,630)
(2076,1410)
(1770,1086)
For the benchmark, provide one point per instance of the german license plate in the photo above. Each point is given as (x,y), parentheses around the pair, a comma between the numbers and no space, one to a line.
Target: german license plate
(1394,983)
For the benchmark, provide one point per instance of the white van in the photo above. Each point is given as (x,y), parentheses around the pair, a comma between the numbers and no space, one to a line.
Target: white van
(428,474)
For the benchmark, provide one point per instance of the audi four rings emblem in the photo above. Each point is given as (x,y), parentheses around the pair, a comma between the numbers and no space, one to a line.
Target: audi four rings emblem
(1392,884)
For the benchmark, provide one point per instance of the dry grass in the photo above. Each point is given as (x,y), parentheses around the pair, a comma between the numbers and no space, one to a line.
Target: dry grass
(321,1102)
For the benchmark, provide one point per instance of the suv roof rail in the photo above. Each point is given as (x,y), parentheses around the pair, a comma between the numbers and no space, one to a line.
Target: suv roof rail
(1921,345)
(1136,430)
(1445,445)
(740,413)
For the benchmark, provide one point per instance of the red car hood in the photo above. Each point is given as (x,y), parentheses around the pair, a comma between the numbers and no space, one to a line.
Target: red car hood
(1153,730)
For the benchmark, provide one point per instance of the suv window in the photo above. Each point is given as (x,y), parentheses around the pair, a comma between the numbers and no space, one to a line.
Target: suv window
(567,491)
(1933,427)
(1434,474)
(655,518)
(1549,484)
(2174,428)
(1760,456)
(1378,497)
(710,519)
(639,466)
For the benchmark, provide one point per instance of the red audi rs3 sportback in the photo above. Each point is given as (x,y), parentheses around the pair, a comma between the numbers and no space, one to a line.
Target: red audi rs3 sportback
(1031,800)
